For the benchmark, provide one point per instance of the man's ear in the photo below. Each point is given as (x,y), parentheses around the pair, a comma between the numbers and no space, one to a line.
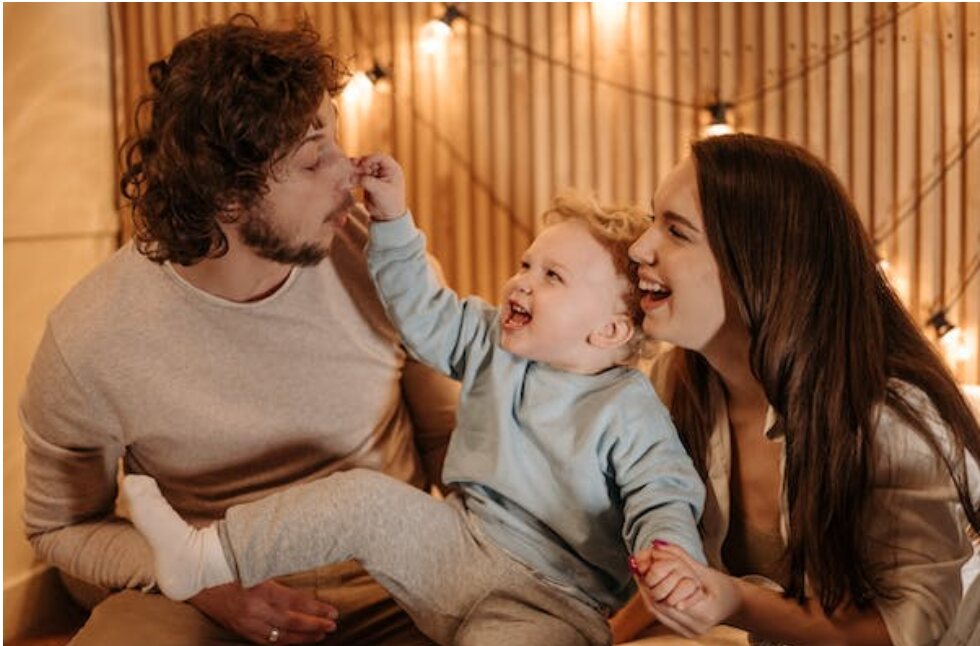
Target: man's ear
(616,332)
(230,212)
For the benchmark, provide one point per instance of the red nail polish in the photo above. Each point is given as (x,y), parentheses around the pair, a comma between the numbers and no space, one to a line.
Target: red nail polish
(659,543)
(634,567)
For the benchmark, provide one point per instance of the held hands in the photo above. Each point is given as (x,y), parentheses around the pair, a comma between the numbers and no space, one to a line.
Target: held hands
(384,186)
(687,597)
(253,613)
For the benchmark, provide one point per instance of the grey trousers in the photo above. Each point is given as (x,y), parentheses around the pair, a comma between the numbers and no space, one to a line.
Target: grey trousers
(429,554)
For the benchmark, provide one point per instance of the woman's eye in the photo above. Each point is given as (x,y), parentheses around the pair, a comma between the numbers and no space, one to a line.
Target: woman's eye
(677,233)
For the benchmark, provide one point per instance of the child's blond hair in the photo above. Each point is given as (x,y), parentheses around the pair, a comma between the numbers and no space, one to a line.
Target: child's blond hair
(615,227)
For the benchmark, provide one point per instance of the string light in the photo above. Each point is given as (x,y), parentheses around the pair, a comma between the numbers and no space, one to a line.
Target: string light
(940,323)
(957,345)
(435,33)
(897,281)
(718,125)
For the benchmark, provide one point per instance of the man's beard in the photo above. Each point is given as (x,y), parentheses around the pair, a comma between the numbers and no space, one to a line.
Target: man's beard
(261,235)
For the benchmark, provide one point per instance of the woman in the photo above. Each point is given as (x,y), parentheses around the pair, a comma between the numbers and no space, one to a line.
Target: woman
(834,440)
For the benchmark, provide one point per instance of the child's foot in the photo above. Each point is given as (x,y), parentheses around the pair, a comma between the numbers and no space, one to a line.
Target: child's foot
(186,559)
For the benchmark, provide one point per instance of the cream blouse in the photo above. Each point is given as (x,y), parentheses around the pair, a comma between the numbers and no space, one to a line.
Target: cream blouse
(917,527)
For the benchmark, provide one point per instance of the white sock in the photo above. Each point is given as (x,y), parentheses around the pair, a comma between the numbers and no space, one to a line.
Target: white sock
(186,559)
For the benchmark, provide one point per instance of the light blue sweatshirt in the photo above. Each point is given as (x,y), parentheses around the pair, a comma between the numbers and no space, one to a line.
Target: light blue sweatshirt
(568,473)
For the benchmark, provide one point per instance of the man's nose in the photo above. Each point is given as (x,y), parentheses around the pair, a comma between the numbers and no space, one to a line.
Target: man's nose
(351,179)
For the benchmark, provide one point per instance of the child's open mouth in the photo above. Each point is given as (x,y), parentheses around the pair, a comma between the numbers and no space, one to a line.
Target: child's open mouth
(516,316)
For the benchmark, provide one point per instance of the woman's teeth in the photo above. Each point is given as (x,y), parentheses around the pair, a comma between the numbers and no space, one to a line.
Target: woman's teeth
(656,289)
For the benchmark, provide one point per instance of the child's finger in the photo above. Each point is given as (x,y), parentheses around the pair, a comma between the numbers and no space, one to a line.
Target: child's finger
(660,569)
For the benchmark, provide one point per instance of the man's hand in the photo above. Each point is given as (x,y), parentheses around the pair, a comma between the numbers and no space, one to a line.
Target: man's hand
(253,613)
(384,186)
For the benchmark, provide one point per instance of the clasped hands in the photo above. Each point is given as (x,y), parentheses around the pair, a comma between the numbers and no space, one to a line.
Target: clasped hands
(684,595)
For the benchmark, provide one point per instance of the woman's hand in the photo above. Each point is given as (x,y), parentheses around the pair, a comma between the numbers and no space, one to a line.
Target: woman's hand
(666,572)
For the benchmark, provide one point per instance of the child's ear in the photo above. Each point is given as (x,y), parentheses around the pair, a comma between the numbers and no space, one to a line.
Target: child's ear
(615,333)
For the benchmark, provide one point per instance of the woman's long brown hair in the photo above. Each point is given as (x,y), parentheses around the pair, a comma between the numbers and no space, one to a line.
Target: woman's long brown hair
(829,337)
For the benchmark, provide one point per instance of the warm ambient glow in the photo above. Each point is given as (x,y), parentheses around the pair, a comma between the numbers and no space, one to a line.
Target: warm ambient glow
(898,282)
(435,34)
(958,345)
(716,129)
(610,15)
(358,91)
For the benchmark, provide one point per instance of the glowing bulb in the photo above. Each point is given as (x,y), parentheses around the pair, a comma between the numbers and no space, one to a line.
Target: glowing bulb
(434,35)
(957,345)
(358,90)
(719,124)
(897,281)
(716,129)
(610,15)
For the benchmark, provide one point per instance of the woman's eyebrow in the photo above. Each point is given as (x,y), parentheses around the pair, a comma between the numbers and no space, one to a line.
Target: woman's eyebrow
(680,219)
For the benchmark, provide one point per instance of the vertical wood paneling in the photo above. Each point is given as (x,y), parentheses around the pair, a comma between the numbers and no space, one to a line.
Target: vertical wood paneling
(665,84)
(860,108)
(542,134)
(969,307)
(529,98)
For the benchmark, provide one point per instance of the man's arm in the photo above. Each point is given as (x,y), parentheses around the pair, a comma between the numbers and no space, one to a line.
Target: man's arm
(71,463)
(431,399)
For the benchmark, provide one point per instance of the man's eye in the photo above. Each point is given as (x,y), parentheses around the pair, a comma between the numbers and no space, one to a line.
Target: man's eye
(315,165)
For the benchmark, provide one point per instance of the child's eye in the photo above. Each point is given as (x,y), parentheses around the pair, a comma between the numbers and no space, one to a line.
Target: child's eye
(525,265)
(552,275)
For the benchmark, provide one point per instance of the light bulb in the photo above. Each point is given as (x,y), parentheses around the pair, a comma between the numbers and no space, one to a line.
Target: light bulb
(433,36)
(358,90)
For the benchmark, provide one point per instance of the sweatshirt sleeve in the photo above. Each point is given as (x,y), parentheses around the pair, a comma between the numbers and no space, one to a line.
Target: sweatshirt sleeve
(70,490)
(436,326)
(662,495)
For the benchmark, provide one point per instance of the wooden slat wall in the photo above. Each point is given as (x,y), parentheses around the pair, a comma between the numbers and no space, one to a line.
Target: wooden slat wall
(528,98)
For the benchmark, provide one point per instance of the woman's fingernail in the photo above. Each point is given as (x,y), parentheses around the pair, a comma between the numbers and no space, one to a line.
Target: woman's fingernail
(634,567)
(659,543)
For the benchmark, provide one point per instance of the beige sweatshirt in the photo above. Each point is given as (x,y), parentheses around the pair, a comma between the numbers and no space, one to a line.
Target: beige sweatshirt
(221,402)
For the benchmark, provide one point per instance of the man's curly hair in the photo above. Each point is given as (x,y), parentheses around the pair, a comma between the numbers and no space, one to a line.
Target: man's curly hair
(229,102)
(615,228)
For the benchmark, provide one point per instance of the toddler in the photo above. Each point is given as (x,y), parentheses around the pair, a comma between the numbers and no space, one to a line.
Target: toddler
(564,462)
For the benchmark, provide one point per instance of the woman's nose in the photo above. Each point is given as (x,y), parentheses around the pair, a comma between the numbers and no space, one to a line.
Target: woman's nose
(642,250)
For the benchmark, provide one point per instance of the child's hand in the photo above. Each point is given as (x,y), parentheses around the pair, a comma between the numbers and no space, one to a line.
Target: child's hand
(665,579)
(664,574)
(384,186)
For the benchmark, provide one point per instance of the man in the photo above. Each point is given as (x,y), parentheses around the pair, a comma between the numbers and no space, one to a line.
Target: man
(237,347)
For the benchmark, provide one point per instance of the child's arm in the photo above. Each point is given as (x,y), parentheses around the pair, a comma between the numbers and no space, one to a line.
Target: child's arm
(661,492)
(436,326)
